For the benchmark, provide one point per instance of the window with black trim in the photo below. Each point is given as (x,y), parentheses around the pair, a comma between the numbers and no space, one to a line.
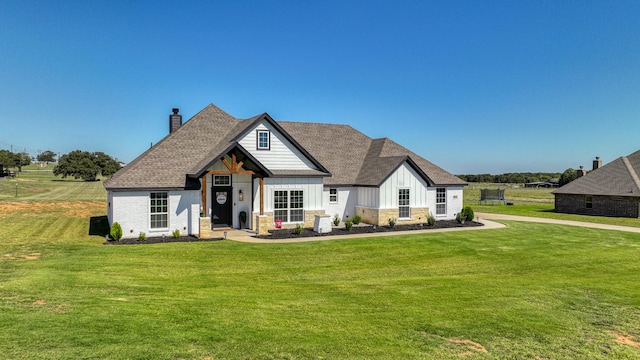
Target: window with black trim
(441,201)
(288,205)
(263,140)
(333,195)
(159,210)
(404,210)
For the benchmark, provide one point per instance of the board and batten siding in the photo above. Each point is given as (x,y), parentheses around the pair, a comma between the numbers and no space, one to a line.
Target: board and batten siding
(131,210)
(282,155)
(311,187)
(403,178)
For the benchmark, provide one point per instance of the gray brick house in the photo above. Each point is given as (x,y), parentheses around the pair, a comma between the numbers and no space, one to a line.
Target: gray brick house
(610,190)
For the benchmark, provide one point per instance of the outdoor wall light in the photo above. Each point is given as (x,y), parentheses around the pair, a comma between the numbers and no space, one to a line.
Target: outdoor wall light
(240,195)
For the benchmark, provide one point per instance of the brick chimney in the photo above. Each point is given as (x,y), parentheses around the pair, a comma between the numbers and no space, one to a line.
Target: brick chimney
(581,172)
(597,163)
(175,120)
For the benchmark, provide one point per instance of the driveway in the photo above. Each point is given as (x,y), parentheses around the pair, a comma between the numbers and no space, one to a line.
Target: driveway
(489,216)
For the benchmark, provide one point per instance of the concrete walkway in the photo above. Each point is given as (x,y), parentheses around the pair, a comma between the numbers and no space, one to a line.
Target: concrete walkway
(249,236)
(489,216)
(484,218)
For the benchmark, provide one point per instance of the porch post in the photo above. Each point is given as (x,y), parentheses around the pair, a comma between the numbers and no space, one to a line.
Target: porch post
(261,196)
(204,196)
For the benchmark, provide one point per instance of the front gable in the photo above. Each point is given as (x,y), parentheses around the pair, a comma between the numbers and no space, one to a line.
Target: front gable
(269,144)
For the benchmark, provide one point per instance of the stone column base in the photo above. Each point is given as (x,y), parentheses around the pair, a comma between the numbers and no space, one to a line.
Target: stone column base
(205,228)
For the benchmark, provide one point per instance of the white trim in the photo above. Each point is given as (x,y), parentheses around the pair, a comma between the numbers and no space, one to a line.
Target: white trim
(404,206)
(168,206)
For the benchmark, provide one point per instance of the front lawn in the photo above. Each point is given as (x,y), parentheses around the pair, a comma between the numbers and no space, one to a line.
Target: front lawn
(535,202)
(526,291)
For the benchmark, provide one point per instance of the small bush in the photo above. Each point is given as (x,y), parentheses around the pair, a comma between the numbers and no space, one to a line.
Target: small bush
(336,220)
(356,219)
(142,236)
(298,230)
(392,223)
(468,212)
(348,224)
(431,220)
(176,233)
(116,231)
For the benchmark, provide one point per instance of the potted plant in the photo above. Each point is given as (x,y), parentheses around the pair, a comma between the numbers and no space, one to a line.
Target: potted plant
(243,218)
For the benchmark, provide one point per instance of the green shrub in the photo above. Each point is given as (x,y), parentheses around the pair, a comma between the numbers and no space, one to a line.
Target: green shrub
(468,212)
(116,231)
(392,223)
(348,224)
(142,236)
(298,230)
(431,220)
(336,220)
(176,233)
(356,219)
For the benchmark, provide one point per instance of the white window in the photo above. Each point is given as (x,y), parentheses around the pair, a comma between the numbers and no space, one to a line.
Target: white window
(404,210)
(333,195)
(221,180)
(159,210)
(441,201)
(588,202)
(263,140)
(288,205)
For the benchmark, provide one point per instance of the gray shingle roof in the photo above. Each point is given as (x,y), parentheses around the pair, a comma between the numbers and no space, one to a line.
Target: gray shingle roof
(617,178)
(344,153)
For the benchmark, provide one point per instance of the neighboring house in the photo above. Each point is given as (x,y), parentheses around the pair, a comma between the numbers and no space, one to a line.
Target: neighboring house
(610,190)
(543,184)
(215,167)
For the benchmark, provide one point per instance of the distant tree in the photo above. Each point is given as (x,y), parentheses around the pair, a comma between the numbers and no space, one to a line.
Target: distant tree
(14,160)
(567,176)
(22,159)
(7,158)
(46,156)
(85,165)
(107,164)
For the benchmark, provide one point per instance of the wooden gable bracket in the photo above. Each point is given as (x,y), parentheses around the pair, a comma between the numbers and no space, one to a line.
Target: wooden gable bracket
(233,168)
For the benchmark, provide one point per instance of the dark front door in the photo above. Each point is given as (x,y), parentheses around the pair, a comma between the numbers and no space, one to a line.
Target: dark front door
(221,208)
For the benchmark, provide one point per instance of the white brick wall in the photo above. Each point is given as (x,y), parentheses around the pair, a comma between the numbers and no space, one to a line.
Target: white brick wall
(131,210)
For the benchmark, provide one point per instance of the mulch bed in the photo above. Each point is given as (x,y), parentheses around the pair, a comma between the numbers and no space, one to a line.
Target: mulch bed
(158,240)
(365,229)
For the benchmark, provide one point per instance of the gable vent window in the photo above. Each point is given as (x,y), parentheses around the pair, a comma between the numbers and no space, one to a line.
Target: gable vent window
(159,210)
(404,210)
(263,140)
(441,201)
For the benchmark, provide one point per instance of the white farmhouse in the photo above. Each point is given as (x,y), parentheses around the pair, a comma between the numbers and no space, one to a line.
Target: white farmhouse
(217,171)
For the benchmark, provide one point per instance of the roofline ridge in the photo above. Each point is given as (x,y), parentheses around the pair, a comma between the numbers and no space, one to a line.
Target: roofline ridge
(632,171)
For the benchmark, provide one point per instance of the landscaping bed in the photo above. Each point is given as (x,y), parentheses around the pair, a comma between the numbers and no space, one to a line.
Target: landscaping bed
(158,240)
(365,229)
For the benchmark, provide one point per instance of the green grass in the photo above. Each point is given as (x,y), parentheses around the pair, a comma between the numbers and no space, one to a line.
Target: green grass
(526,291)
(42,185)
(531,202)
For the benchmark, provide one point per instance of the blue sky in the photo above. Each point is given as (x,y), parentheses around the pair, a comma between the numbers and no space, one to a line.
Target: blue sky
(473,86)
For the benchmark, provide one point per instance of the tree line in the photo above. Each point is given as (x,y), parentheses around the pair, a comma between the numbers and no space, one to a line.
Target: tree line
(522,178)
(80,164)
(510,178)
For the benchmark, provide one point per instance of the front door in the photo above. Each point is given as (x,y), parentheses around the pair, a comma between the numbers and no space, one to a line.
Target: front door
(221,208)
